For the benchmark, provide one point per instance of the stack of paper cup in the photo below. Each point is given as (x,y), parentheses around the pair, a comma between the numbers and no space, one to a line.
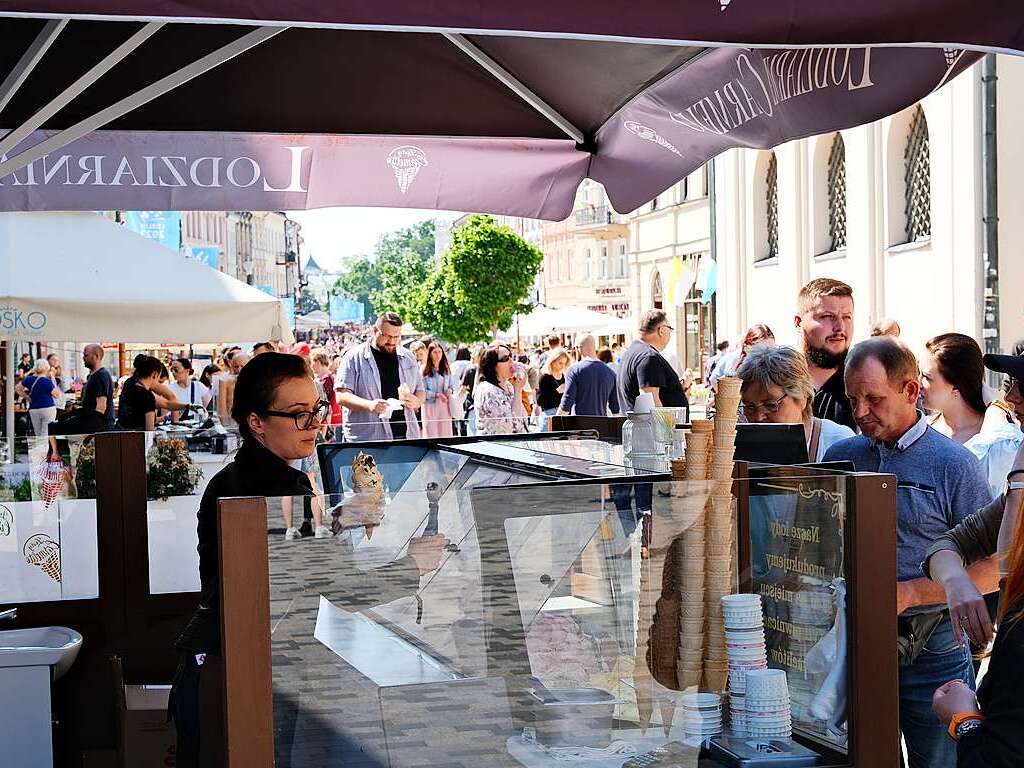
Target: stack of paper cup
(702,715)
(744,638)
(767,704)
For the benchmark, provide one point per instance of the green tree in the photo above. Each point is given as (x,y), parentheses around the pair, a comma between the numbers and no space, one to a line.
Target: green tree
(361,281)
(419,239)
(401,278)
(479,284)
(307,302)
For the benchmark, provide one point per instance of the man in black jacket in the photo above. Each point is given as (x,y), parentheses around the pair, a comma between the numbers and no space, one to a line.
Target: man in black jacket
(825,322)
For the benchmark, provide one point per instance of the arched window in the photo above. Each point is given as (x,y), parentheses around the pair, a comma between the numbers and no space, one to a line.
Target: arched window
(657,293)
(837,193)
(772,207)
(917,170)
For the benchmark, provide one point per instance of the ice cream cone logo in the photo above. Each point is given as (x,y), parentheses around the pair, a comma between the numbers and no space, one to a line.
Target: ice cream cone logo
(51,478)
(951,55)
(6,521)
(406,162)
(43,551)
(724,4)
(649,134)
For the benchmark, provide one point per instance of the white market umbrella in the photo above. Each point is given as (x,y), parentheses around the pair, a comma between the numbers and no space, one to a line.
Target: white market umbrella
(80,277)
(543,320)
(312,321)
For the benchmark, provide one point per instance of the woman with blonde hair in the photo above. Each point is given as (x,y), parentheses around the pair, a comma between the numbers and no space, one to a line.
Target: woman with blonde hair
(551,385)
(776,388)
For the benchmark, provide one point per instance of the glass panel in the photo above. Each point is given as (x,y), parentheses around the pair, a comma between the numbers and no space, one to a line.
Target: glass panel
(797,566)
(48,543)
(540,624)
(179,465)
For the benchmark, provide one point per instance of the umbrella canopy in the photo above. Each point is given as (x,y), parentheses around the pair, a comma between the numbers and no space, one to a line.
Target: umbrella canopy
(312,320)
(80,277)
(544,320)
(463,106)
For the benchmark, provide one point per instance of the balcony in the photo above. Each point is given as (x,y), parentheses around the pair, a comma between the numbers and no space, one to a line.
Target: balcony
(600,221)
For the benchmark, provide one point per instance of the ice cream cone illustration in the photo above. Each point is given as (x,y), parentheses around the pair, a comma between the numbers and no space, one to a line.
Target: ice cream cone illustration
(6,521)
(649,134)
(951,55)
(51,478)
(43,551)
(406,162)
(724,4)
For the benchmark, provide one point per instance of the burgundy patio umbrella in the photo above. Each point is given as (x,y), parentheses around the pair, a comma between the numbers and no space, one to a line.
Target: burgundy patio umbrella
(452,105)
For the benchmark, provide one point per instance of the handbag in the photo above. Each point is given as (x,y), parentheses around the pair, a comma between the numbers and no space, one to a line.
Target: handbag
(913,634)
(455,407)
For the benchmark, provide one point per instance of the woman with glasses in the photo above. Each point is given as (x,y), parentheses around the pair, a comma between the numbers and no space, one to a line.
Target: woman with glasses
(776,389)
(279,414)
(498,395)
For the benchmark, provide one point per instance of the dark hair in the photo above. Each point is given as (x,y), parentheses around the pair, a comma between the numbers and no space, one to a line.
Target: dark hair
(652,320)
(257,383)
(489,363)
(605,355)
(894,356)
(206,377)
(554,341)
(185,363)
(428,367)
(722,346)
(145,366)
(758,334)
(960,363)
(462,353)
(389,318)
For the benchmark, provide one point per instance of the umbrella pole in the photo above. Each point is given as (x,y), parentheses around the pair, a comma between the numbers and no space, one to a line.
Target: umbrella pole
(9,399)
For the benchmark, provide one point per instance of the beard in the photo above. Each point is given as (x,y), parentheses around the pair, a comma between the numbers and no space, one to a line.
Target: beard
(819,357)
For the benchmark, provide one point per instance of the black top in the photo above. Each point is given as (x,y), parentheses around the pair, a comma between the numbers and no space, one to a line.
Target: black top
(999,742)
(469,381)
(643,366)
(99,384)
(831,402)
(387,367)
(255,471)
(548,395)
(133,405)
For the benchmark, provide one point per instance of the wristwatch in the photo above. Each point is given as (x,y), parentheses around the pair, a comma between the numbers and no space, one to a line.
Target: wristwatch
(964,722)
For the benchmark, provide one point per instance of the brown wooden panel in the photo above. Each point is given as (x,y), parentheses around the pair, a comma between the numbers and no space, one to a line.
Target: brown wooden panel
(245,633)
(874,672)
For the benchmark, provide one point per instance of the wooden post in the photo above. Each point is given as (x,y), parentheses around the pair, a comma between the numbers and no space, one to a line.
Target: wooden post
(245,634)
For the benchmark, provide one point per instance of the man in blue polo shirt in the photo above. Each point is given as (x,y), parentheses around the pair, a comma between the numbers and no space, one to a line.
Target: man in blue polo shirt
(590,385)
(939,483)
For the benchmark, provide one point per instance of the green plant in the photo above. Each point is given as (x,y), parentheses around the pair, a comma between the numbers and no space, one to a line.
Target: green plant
(170,471)
(85,471)
(23,490)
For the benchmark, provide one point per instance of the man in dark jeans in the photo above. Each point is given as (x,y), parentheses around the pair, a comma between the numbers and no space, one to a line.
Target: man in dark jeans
(97,411)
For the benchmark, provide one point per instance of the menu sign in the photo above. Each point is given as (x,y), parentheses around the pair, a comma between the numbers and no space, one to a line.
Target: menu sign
(796,562)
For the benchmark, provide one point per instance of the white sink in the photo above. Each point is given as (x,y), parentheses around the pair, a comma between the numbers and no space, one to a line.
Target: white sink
(55,647)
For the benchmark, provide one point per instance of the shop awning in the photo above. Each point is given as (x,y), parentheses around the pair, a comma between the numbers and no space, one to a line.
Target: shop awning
(446,105)
(81,277)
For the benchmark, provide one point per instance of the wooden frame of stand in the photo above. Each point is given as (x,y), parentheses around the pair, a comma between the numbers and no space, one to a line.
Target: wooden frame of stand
(870,537)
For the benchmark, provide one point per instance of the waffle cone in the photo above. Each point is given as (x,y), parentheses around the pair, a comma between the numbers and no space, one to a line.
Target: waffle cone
(51,566)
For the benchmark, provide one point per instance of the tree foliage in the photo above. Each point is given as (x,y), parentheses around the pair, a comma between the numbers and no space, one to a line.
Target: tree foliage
(479,283)
(361,281)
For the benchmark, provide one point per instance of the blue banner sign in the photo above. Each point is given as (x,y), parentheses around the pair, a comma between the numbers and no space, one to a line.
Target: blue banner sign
(162,226)
(204,254)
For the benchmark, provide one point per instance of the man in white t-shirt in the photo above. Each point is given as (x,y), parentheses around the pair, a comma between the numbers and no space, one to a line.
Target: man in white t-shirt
(185,388)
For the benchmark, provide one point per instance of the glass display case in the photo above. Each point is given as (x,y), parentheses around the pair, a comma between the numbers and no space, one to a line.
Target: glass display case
(539,602)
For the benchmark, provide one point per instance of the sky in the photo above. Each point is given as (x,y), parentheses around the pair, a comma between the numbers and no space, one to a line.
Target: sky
(330,234)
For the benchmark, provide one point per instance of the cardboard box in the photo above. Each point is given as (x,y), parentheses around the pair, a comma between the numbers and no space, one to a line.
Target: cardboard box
(147,739)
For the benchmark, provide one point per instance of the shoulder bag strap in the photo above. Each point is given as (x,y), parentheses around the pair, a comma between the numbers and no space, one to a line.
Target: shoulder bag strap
(812,447)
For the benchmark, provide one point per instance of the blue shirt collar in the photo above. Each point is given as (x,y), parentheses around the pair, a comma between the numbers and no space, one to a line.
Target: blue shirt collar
(909,437)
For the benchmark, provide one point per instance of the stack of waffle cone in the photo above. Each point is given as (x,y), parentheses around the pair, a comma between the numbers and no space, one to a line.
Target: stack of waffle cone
(719,548)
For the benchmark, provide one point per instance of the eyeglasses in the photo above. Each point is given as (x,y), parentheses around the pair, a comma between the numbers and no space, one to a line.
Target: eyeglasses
(770,408)
(306,419)
(1010,383)
(666,325)
(504,359)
